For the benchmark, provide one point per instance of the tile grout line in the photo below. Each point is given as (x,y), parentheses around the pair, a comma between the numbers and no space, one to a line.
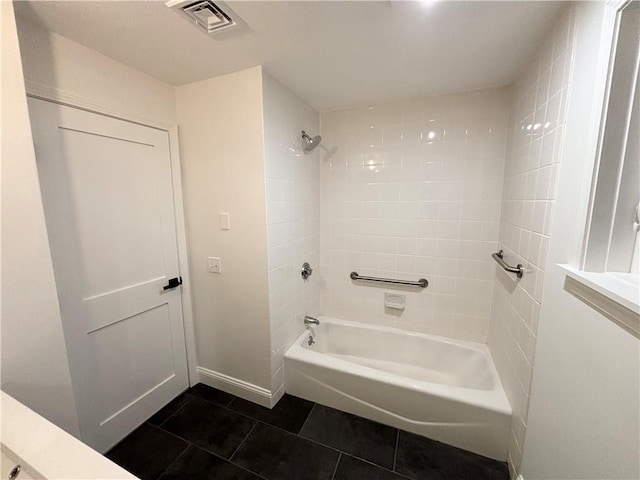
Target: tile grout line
(317,442)
(369,462)
(211,402)
(146,422)
(395,452)
(336,467)
(247,470)
(172,434)
(243,440)
(198,447)
(175,461)
(210,452)
(174,413)
(306,419)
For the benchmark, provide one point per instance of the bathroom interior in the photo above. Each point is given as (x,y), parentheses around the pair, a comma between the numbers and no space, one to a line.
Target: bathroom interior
(305,239)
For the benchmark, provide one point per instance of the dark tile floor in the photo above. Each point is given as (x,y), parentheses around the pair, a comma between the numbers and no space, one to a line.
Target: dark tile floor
(207,434)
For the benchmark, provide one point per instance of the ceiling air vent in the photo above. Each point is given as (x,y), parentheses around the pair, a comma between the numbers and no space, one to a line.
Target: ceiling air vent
(206,15)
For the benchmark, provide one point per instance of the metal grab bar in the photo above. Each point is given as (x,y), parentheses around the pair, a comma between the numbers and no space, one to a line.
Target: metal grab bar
(422,283)
(499,257)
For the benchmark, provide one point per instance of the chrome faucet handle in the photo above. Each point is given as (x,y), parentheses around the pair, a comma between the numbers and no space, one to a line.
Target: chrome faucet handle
(306,270)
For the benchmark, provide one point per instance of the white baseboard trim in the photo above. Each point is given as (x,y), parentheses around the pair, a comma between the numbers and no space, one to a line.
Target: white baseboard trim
(275,398)
(237,387)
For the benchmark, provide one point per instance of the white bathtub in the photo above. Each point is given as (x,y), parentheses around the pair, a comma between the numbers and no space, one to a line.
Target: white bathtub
(444,389)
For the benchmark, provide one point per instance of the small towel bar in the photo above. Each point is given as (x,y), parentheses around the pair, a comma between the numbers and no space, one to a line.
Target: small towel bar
(422,283)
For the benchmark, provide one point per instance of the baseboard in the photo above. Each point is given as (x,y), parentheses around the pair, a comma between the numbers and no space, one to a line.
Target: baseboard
(237,387)
(275,398)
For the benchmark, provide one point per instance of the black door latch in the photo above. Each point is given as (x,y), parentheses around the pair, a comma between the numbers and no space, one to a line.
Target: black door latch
(173,283)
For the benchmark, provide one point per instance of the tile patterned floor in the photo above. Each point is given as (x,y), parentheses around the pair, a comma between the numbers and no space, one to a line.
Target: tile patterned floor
(207,434)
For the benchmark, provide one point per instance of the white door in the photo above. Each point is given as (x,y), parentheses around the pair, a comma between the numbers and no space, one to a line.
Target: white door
(108,198)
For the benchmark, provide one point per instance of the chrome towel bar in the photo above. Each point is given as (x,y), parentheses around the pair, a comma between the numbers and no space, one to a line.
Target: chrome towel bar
(422,283)
(499,257)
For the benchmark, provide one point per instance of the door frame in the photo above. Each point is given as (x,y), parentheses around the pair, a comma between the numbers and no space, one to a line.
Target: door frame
(60,97)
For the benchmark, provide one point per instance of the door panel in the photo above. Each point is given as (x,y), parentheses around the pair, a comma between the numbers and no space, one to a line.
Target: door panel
(147,336)
(114,194)
(108,197)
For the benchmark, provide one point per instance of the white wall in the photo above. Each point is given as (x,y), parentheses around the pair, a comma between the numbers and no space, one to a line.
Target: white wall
(34,358)
(57,66)
(222,153)
(411,190)
(293,219)
(536,130)
(584,416)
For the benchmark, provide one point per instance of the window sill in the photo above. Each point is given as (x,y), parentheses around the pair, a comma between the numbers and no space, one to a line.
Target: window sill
(615,295)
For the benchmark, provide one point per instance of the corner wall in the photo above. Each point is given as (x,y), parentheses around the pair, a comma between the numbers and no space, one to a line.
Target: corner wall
(536,130)
(293,218)
(222,155)
(35,367)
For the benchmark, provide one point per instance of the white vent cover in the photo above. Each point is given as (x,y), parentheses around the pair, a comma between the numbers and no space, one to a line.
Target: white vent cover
(206,15)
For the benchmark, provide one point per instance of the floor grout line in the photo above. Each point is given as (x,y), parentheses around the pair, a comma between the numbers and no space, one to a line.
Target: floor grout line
(175,461)
(174,413)
(307,419)
(336,467)
(211,402)
(402,475)
(243,440)
(247,470)
(395,451)
(185,440)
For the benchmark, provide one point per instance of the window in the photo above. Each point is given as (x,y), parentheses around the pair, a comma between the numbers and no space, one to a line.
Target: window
(612,237)
(608,277)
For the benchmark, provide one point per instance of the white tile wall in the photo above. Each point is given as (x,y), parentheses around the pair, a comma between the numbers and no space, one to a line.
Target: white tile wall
(535,136)
(292,219)
(410,190)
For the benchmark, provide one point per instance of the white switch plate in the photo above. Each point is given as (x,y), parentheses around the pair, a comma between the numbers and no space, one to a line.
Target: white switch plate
(225,222)
(214,265)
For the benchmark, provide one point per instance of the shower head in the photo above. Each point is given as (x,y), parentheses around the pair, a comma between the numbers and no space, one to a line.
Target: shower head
(310,143)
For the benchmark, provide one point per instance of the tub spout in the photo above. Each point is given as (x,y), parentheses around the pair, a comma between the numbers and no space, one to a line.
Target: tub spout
(311,320)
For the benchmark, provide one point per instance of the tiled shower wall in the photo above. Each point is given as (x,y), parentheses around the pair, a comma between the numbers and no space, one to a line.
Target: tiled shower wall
(292,219)
(535,135)
(408,190)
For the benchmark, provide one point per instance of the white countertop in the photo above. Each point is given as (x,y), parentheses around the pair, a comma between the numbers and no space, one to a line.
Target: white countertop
(49,451)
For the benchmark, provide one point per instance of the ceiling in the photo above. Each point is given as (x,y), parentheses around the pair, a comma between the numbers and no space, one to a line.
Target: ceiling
(331,53)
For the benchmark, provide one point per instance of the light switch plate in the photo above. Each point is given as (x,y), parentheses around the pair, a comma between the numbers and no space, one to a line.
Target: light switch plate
(214,265)
(225,222)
